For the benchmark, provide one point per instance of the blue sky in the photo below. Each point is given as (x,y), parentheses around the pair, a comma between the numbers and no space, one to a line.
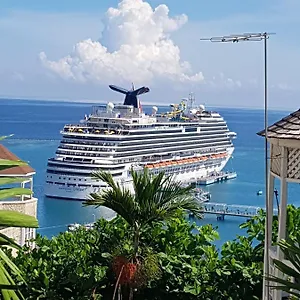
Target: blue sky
(71,50)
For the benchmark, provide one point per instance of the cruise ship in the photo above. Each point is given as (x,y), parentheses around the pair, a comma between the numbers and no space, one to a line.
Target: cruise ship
(187,141)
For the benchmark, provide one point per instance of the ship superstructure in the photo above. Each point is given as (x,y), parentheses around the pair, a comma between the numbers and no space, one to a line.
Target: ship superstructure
(187,142)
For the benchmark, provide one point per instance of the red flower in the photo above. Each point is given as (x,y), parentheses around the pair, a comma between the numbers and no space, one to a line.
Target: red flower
(121,264)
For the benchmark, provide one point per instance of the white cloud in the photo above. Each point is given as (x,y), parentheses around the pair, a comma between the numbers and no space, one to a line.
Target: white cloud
(135,46)
(221,81)
(17,76)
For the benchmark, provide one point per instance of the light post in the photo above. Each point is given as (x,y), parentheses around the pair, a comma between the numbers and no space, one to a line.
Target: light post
(258,37)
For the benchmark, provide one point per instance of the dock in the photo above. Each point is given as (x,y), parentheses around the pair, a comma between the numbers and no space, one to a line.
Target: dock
(218,177)
(222,209)
(202,196)
(75,226)
(87,226)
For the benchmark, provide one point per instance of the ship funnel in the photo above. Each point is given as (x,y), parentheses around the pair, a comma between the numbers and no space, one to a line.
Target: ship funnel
(131,96)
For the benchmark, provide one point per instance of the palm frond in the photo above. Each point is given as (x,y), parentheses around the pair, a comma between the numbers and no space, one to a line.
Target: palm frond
(6,241)
(14,192)
(10,180)
(290,268)
(155,198)
(114,197)
(7,284)
(6,163)
(10,218)
(5,137)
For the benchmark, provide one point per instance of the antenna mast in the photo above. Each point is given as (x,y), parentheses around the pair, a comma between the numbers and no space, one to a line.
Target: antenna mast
(191,100)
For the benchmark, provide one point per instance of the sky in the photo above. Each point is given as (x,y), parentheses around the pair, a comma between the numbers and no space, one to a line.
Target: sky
(72,50)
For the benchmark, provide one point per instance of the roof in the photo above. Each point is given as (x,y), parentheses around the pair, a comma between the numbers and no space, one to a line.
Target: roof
(18,170)
(287,128)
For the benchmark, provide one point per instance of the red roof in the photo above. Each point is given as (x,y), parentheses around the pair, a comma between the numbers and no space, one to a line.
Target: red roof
(18,170)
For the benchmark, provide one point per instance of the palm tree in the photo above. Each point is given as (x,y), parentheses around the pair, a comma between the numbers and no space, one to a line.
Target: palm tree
(290,267)
(8,218)
(155,198)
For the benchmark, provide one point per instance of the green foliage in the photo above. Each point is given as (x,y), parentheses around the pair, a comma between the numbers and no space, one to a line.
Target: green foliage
(77,265)
(291,270)
(256,225)
(69,266)
(255,230)
(192,267)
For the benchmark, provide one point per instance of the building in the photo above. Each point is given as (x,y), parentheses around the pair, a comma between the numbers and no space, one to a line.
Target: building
(284,141)
(26,204)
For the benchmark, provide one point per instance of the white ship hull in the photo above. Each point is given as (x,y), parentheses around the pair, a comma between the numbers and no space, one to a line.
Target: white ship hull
(82,193)
(187,142)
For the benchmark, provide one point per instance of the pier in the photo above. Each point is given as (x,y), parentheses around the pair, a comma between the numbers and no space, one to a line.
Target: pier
(218,177)
(223,209)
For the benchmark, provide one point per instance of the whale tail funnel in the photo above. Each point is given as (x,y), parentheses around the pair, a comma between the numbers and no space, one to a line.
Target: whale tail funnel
(131,96)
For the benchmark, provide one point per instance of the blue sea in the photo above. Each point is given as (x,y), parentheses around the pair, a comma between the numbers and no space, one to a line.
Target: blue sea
(36,126)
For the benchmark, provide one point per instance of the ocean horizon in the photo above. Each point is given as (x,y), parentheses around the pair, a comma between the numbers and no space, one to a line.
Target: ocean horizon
(145,103)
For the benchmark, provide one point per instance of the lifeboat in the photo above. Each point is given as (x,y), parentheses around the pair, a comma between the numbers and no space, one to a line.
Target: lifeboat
(109,132)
